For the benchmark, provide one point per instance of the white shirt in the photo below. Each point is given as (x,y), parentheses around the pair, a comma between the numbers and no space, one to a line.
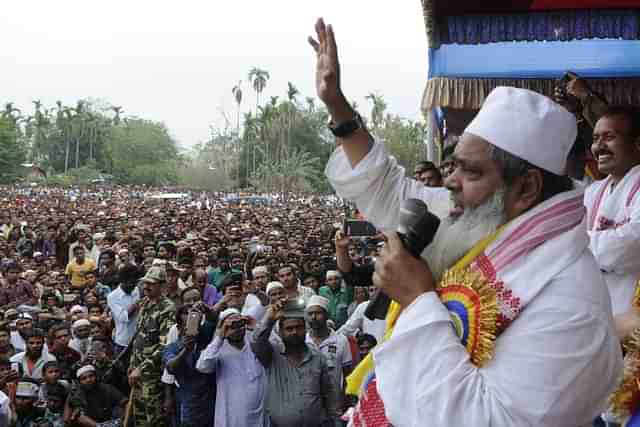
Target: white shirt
(552,367)
(617,246)
(359,322)
(555,365)
(336,348)
(119,302)
(5,410)
(17,341)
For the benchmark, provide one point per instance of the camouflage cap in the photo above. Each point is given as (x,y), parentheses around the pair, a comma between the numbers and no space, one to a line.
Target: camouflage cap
(155,274)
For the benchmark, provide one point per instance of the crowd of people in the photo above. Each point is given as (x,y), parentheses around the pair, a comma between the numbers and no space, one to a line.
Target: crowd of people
(179,312)
(249,310)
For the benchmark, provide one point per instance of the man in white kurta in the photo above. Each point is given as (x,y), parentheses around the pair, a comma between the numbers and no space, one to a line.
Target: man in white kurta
(613,206)
(240,378)
(556,357)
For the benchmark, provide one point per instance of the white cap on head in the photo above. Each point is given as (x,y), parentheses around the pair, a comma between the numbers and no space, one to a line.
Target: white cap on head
(318,301)
(274,285)
(85,370)
(228,312)
(22,316)
(333,273)
(260,269)
(528,125)
(79,309)
(80,323)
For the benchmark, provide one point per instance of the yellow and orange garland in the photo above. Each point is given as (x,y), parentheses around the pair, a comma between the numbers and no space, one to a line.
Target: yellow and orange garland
(626,399)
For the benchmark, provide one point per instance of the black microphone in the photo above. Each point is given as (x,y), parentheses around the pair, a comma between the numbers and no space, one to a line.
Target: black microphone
(417,227)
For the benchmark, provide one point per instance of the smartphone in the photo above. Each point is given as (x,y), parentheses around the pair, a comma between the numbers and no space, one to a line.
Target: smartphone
(358,228)
(237,324)
(193,323)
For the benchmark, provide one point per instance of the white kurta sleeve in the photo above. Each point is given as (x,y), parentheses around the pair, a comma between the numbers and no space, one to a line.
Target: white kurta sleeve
(209,357)
(378,185)
(617,250)
(552,367)
(354,323)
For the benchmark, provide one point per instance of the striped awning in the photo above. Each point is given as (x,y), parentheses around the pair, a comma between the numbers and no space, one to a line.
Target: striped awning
(469,94)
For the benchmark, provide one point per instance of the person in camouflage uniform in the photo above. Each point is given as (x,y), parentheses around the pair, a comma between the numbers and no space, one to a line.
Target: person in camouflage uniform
(145,369)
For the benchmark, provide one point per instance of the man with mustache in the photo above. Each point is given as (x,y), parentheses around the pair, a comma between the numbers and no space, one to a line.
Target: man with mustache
(613,214)
(300,388)
(533,339)
(613,205)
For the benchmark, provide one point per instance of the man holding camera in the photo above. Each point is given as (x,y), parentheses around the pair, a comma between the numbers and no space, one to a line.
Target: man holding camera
(195,395)
(504,267)
(240,378)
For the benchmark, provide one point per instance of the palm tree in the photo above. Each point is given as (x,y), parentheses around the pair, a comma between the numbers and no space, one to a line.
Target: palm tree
(41,125)
(377,110)
(290,114)
(237,94)
(80,126)
(258,78)
(117,111)
(64,122)
(292,92)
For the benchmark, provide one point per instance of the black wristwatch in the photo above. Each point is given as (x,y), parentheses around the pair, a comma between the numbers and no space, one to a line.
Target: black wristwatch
(344,129)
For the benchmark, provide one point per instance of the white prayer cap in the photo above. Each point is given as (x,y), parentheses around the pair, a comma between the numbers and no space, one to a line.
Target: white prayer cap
(228,312)
(260,269)
(318,301)
(22,316)
(27,389)
(79,309)
(85,370)
(528,125)
(80,323)
(333,273)
(274,285)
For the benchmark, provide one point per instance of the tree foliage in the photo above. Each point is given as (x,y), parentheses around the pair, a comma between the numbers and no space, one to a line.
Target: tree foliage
(12,151)
(92,138)
(283,145)
(143,152)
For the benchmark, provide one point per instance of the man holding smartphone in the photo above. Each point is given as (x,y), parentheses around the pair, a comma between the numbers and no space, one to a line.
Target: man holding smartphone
(240,378)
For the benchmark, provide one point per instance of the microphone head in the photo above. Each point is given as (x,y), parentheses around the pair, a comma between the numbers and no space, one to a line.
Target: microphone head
(416,226)
(411,212)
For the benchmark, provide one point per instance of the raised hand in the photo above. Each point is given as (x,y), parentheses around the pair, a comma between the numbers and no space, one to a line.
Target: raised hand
(328,73)
(341,240)
(276,310)
(327,67)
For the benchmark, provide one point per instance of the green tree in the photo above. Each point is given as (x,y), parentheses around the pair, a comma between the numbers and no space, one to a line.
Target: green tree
(142,152)
(377,109)
(12,152)
(258,78)
(404,139)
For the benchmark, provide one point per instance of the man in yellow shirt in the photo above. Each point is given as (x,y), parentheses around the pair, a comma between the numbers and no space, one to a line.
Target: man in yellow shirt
(78,267)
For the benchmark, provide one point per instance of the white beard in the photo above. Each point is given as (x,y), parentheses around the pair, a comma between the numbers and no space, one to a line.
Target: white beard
(456,236)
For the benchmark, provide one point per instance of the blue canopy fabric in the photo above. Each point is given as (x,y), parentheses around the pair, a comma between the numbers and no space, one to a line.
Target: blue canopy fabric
(550,26)
(537,59)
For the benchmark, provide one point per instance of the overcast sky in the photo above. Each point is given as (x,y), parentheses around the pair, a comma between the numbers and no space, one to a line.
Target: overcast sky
(176,61)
